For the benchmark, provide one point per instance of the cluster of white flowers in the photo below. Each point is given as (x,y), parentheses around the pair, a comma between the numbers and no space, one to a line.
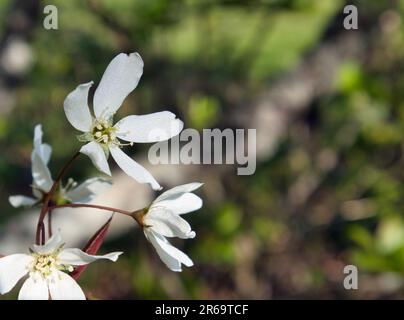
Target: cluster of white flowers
(48,265)
(42,180)
(46,268)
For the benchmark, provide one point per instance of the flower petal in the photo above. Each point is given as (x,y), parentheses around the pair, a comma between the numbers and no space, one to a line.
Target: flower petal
(152,127)
(64,287)
(76,108)
(120,78)
(34,289)
(167,223)
(12,269)
(40,173)
(76,257)
(170,255)
(50,246)
(88,190)
(38,133)
(97,156)
(44,150)
(181,203)
(132,168)
(19,201)
(177,191)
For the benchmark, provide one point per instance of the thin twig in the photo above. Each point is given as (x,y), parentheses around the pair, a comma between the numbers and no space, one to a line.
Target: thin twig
(40,234)
(50,223)
(93,206)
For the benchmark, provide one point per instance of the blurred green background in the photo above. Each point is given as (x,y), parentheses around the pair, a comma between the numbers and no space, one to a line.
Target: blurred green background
(327,194)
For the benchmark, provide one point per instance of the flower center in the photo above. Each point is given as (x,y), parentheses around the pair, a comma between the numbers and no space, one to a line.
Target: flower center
(103,132)
(45,264)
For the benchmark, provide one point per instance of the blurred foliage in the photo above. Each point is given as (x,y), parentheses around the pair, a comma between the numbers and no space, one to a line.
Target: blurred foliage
(202,59)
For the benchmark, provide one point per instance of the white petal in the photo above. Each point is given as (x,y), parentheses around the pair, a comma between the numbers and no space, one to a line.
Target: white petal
(46,152)
(97,156)
(38,133)
(40,173)
(36,192)
(170,255)
(42,149)
(64,287)
(34,289)
(76,108)
(76,257)
(152,127)
(120,78)
(132,168)
(172,263)
(50,246)
(88,190)
(19,201)
(12,269)
(181,203)
(178,190)
(167,223)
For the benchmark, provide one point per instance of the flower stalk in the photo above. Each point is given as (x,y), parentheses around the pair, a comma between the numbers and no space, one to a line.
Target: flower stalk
(94,206)
(40,230)
(50,223)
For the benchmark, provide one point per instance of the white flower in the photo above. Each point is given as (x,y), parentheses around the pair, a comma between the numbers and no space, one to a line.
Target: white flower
(120,78)
(46,268)
(162,219)
(42,179)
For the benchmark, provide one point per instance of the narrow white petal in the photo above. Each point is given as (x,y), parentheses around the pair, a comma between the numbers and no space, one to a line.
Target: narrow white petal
(170,255)
(42,149)
(76,257)
(172,263)
(38,133)
(37,192)
(64,287)
(40,173)
(181,203)
(167,223)
(97,156)
(132,168)
(12,269)
(46,152)
(19,201)
(178,190)
(76,108)
(34,289)
(154,127)
(50,246)
(88,190)
(120,78)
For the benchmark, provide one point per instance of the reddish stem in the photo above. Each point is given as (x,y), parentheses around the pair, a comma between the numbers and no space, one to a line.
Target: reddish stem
(50,223)
(40,230)
(82,205)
